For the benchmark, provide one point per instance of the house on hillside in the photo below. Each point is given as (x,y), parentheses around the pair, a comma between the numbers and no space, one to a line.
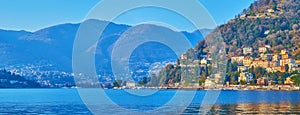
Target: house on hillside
(242,68)
(266,64)
(247,50)
(183,56)
(296,68)
(279,68)
(242,77)
(245,76)
(297,62)
(257,63)
(262,49)
(238,59)
(203,61)
(284,51)
(285,56)
(260,63)
(289,61)
(247,61)
(274,64)
(266,56)
(276,57)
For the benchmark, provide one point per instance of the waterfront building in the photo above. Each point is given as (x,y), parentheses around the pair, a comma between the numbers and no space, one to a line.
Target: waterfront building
(130,84)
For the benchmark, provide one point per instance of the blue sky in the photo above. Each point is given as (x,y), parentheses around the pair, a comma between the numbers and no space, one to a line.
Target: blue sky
(32,15)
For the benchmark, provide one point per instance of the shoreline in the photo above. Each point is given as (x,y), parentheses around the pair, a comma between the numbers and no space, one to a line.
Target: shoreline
(231,88)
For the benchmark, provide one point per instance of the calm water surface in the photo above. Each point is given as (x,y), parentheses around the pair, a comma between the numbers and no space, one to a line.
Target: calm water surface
(67,101)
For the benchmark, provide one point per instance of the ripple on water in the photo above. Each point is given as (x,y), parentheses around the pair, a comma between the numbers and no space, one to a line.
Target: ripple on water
(43,109)
(274,108)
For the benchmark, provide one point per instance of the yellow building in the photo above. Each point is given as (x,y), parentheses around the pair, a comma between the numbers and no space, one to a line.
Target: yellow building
(247,61)
(275,57)
(266,64)
(284,51)
(262,49)
(269,69)
(237,59)
(242,77)
(285,56)
(280,68)
(261,63)
(257,63)
(203,61)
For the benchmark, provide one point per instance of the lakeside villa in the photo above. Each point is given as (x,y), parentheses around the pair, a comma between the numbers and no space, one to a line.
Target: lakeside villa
(281,61)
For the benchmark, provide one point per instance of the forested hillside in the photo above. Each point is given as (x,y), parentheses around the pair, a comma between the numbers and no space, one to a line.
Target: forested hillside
(273,23)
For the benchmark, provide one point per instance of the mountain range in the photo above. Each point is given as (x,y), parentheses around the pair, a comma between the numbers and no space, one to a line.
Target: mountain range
(50,49)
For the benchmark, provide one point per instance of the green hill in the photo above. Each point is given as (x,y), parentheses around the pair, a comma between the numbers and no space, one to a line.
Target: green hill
(265,22)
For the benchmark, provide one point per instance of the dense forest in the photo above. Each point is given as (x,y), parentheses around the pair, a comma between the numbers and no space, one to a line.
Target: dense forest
(265,22)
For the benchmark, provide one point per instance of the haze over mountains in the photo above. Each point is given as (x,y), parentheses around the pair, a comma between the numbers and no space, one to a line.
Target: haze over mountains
(50,49)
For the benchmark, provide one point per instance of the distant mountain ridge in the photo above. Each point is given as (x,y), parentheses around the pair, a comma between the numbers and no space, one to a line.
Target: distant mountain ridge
(50,49)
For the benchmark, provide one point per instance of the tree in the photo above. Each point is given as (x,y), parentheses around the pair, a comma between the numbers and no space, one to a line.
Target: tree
(296,79)
(191,54)
(202,78)
(286,67)
(117,83)
(144,81)
(242,82)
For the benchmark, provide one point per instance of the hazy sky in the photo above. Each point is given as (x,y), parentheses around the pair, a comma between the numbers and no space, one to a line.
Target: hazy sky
(32,15)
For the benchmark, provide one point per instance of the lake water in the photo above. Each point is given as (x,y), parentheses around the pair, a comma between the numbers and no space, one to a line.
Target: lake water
(68,101)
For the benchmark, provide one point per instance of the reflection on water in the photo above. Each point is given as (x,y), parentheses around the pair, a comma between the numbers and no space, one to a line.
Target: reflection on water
(68,101)
(278,108)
